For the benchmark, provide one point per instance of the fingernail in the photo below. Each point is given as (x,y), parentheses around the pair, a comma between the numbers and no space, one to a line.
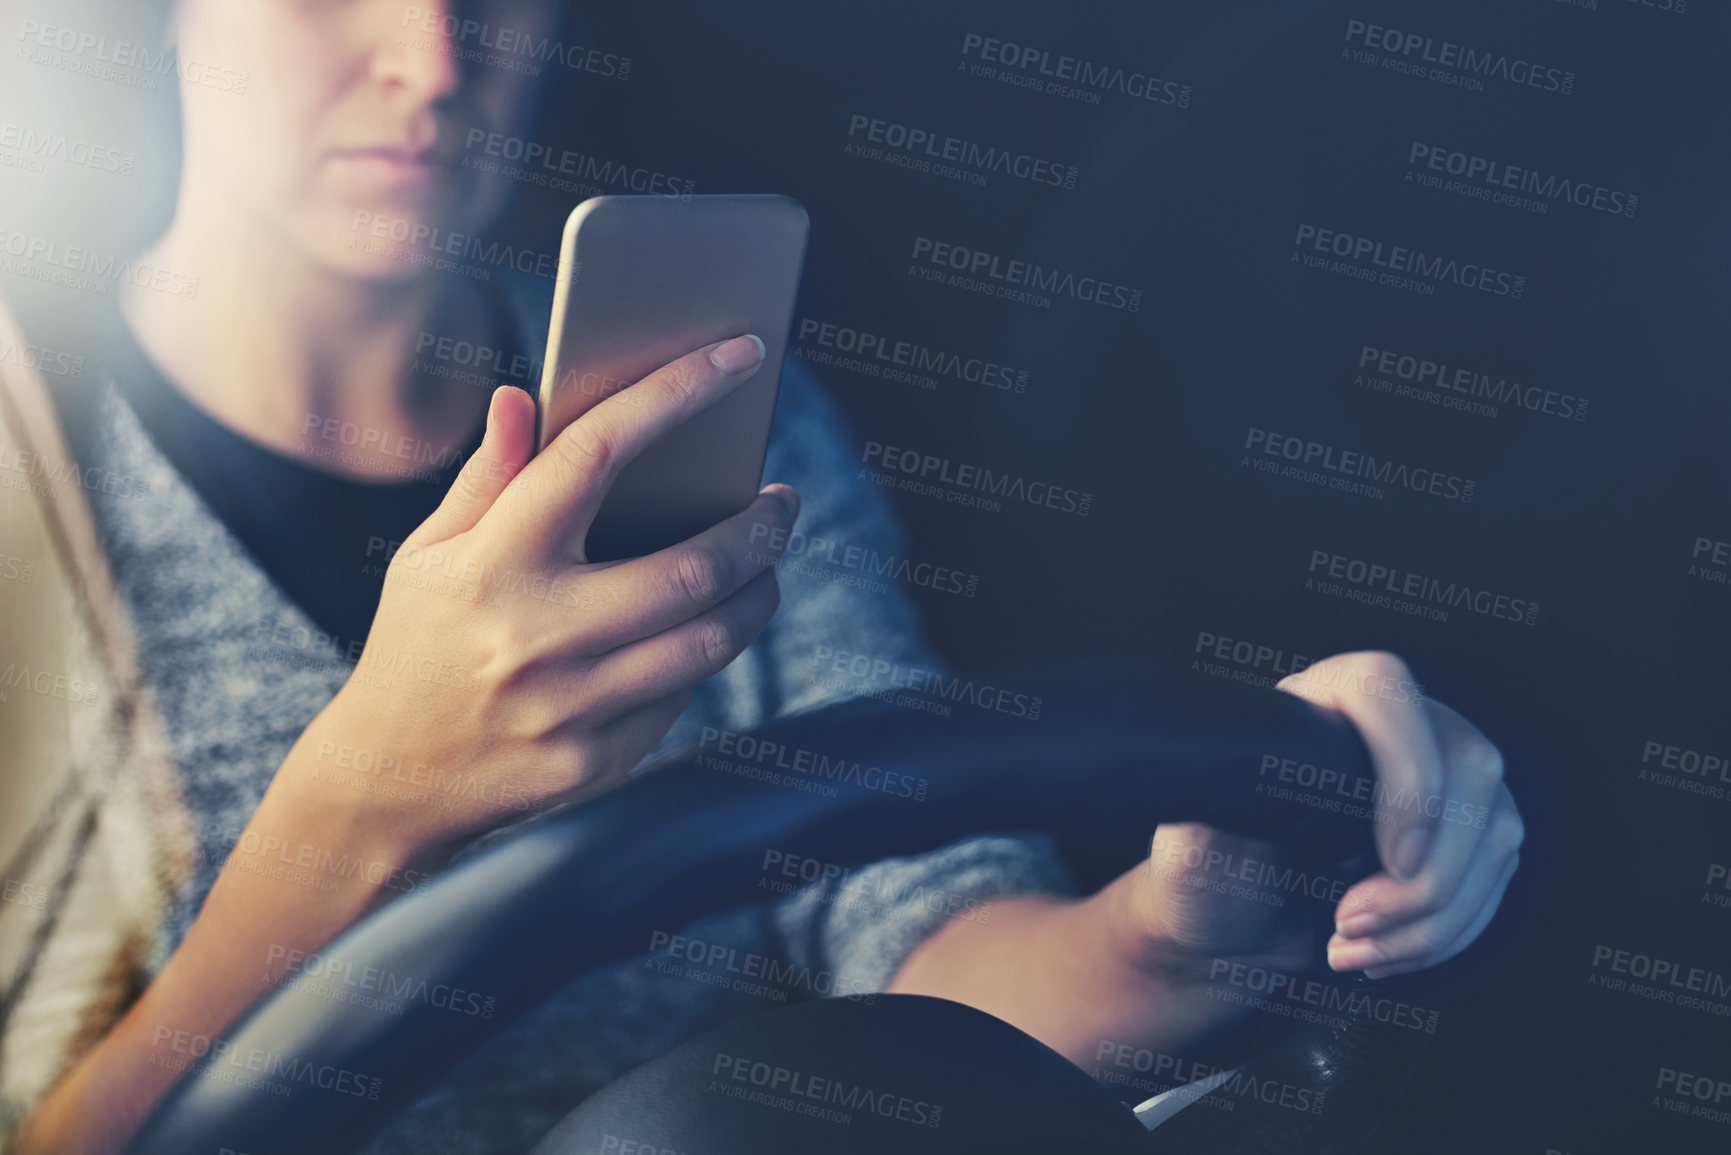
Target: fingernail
(1409,852)
(1358,925)
(492,408)
(738,355)
(1352,956)
(789,497)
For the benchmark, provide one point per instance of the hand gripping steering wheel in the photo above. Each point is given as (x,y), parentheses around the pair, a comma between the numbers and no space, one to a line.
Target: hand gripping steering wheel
(1113,750)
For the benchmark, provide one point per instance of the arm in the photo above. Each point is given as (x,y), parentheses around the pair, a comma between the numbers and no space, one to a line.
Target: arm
(1131,964)
(240,942)
(847,585)
(549,697)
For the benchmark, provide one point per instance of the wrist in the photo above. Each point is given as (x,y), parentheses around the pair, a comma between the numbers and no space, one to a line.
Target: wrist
(1140,939)
(355,773)
(328,816)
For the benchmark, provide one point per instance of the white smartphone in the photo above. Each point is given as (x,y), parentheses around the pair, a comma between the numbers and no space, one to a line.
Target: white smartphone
(642,281)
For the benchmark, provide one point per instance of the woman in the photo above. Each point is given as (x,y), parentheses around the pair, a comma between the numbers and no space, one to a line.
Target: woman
(242,560)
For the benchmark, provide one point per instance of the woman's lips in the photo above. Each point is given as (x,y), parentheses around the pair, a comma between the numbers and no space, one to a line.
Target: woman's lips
(394,167)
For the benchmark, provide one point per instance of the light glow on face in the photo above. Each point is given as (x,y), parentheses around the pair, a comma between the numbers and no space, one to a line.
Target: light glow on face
(353,111)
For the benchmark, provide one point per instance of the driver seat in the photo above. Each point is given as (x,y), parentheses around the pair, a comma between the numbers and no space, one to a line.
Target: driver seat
(913,1075)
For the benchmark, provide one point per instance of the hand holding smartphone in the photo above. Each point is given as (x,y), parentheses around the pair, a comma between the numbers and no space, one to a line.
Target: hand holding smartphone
(643,280)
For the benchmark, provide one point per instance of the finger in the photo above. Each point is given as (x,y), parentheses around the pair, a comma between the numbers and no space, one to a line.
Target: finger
(1461,941)
(1402,744)
(689,652)
(559,491)
(639,729)
(1479,822)
(506,447)
(646,596)
(652,722)
(617,745)
(1460,816)
(1423,937)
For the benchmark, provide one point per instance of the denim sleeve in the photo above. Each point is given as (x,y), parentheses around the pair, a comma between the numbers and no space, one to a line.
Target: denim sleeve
(845,590)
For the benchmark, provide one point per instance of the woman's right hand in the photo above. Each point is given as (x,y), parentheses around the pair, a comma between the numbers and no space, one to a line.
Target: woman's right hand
(503,670)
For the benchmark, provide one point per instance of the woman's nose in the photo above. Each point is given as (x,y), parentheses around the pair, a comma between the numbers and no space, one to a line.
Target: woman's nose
(421,48)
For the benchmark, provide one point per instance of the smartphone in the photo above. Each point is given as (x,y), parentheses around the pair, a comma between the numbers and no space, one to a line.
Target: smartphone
(642,281)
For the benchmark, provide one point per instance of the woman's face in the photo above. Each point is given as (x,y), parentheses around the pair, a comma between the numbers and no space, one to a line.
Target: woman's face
(346,125)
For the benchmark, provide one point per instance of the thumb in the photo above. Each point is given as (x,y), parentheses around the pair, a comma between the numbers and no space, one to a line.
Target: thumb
(505,449)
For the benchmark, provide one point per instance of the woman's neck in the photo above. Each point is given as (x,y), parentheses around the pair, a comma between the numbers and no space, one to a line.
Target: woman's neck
(283,350)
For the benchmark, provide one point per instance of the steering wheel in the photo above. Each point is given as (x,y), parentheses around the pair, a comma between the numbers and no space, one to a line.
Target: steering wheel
(1102,752)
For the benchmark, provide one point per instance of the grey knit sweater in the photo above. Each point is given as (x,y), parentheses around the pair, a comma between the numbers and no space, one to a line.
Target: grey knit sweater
(239,672)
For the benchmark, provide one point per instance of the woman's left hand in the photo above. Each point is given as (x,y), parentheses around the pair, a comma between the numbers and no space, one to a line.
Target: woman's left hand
(1448,838)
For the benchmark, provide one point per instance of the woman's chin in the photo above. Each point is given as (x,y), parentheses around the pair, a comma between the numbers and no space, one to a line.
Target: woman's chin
(400,239)
(372,261)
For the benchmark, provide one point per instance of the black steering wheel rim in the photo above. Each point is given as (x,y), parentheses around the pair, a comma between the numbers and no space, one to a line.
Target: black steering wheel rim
(1113,750)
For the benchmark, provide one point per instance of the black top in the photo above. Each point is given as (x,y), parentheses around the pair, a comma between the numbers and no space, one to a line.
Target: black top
(324,539)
